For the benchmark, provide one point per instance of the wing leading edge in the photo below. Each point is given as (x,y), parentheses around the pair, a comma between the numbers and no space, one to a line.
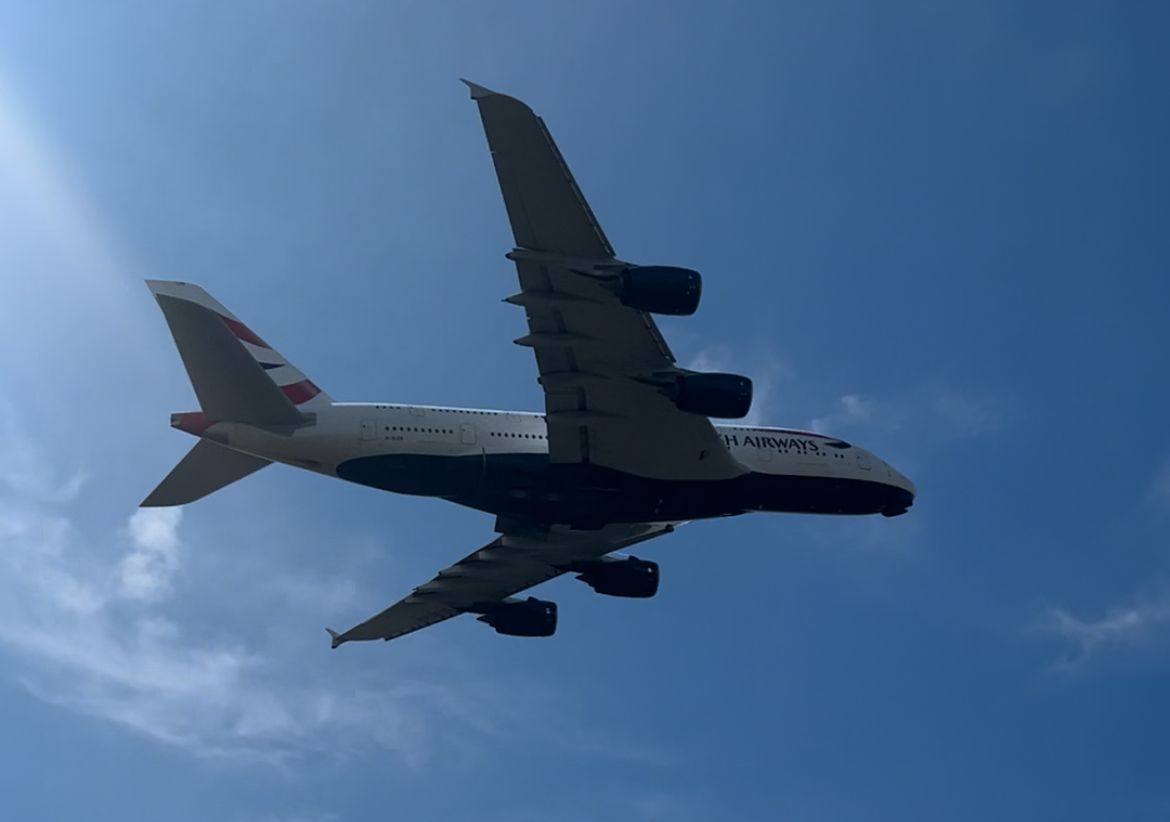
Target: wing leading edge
(547,210)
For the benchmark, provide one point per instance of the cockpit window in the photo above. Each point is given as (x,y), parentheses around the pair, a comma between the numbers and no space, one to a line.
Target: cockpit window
(838,444)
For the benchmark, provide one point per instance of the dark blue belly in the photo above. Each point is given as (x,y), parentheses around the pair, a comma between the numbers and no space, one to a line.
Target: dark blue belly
(529,486)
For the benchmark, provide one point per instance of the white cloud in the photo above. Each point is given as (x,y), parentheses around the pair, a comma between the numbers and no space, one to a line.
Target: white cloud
(710,359)
(850,410)
(94,624)
(90,624)
(79,646)
(931,411)
(1146,619)
(146,571)
(936,412)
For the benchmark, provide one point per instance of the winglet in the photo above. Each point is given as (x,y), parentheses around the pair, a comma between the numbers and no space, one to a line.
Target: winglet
(477,91)
(334,637)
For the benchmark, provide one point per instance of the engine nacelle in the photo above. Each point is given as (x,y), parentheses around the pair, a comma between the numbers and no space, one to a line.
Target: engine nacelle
(631,577)
(529,617)
(728,396)
(660,289)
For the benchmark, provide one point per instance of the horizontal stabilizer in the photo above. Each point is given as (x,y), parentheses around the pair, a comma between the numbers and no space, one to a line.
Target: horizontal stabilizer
(206,468)
(334,638)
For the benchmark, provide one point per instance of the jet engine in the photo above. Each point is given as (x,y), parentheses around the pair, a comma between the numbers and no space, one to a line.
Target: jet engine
(630,577)
(713,395)
(660,289)
(529,617)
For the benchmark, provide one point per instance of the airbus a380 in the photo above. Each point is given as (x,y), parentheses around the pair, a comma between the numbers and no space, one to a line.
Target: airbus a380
(624,451)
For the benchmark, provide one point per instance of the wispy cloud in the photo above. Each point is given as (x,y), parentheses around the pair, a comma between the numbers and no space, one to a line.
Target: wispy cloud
(94,623)
(91,637)
(937,412)
(850,410)
(104,640)
(1145,620)
(145,571)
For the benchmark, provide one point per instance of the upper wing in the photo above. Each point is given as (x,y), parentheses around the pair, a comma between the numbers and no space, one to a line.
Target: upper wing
(501,568)
(597,357)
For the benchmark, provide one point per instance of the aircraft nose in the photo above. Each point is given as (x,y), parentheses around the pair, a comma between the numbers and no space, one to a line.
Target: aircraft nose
(906,485)
(902,494)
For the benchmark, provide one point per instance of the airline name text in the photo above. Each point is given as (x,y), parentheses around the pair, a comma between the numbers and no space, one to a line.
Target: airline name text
(784,444)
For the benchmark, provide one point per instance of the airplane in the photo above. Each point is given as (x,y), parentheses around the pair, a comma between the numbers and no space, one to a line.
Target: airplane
(624,452)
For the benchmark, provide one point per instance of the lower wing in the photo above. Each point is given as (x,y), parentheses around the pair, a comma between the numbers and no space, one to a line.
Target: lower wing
(484,581)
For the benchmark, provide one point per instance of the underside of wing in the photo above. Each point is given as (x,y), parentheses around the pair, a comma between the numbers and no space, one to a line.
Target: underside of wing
(482,581)
(605,368)
(546,209)
(602,366)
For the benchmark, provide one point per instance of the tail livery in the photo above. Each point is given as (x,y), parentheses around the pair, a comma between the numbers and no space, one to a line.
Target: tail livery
(237,377)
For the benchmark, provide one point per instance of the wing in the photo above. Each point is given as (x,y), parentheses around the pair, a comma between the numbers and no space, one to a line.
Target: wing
(601,363)
(501,568)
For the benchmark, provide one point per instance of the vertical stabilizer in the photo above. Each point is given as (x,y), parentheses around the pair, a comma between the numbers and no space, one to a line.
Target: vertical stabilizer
(237,376)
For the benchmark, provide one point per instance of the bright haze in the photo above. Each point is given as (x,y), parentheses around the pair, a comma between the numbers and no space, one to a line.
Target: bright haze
(936,231)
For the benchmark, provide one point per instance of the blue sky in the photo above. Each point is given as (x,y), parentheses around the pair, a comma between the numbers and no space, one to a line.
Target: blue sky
(935,229)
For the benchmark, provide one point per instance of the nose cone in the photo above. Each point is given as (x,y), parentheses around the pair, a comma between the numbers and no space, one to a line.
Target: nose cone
(903,492)
(903,482)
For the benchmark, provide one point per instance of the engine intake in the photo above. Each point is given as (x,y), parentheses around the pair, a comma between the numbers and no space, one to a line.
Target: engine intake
(728,396)
(631,577)
(660,289)
(529,617)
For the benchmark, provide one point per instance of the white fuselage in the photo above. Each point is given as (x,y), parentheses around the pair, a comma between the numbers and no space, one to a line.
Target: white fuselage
(498,461)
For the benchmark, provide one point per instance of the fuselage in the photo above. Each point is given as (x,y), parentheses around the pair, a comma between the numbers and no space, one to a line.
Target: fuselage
(498,462)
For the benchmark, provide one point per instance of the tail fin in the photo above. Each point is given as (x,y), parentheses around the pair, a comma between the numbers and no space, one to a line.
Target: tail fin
(206,468)
(236,375)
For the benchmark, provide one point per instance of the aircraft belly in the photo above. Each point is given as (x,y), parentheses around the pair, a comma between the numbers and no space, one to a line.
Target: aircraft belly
(420,474)
(529,486)
(807,494)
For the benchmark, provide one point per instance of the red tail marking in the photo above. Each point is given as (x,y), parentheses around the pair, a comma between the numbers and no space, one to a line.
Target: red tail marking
(193,422)
(244,333)
(300,392)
